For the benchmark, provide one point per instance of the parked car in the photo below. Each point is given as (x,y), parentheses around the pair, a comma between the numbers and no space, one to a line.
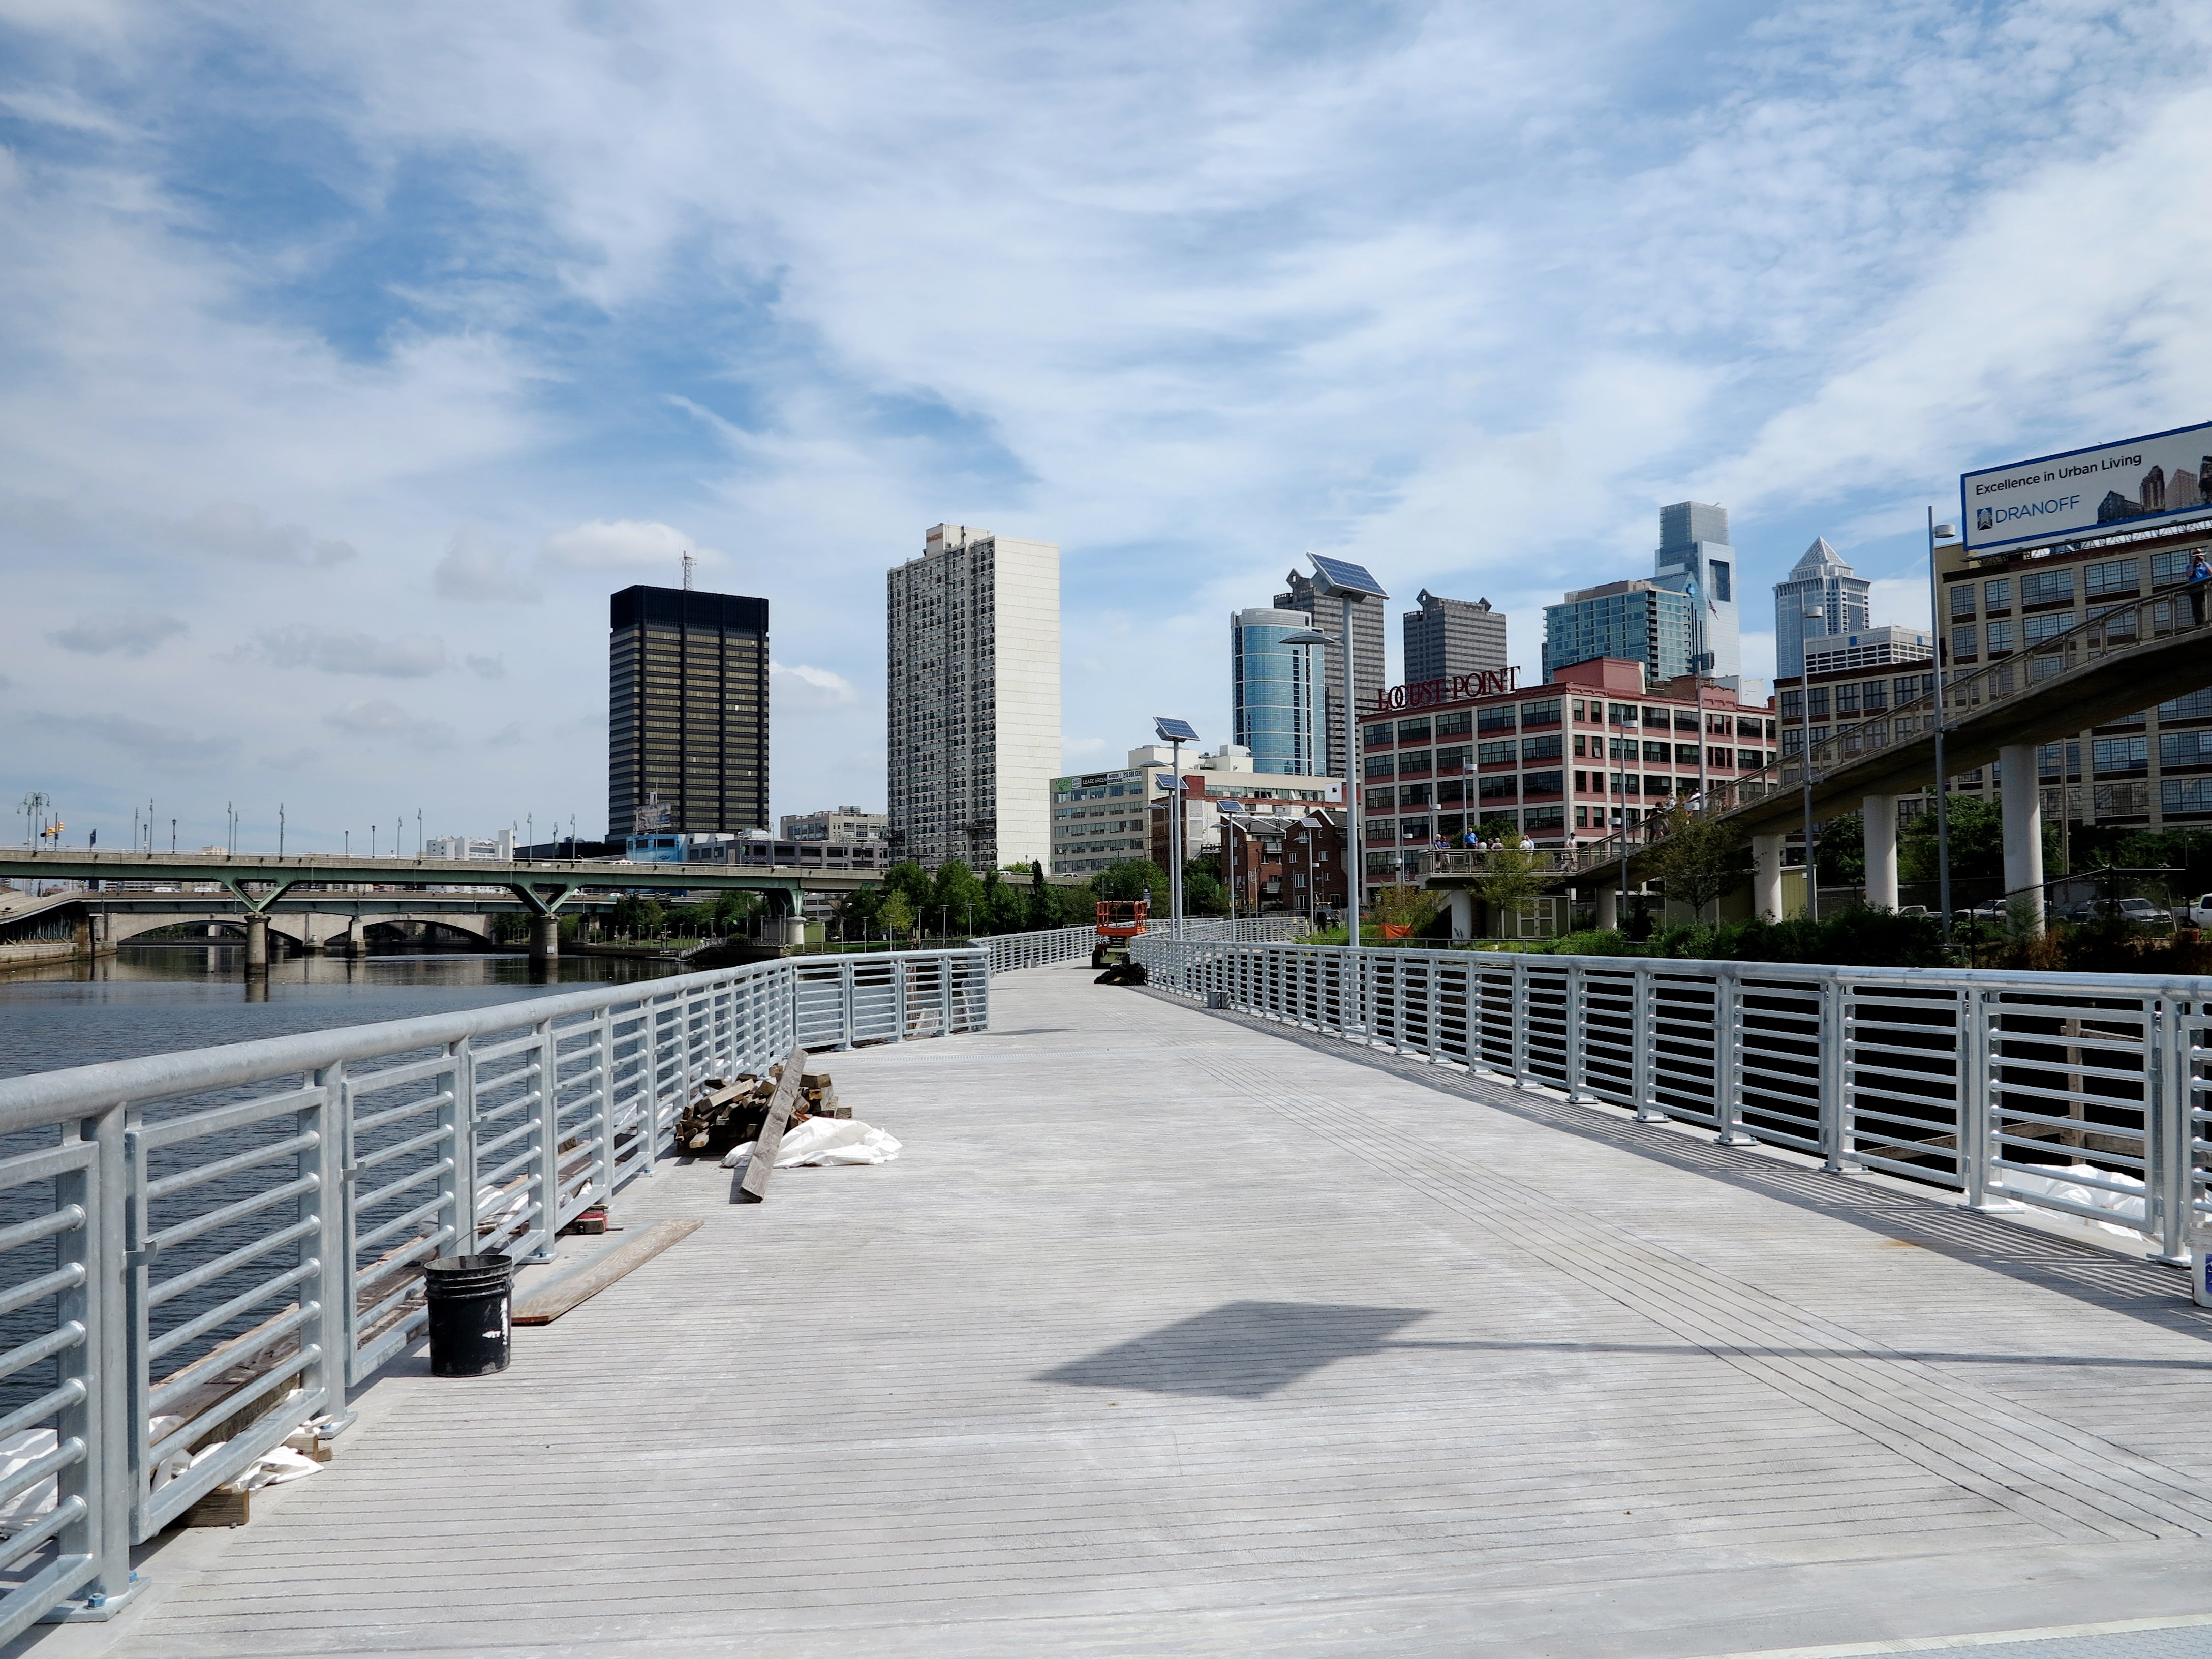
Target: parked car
(2195,913)
(2139,912)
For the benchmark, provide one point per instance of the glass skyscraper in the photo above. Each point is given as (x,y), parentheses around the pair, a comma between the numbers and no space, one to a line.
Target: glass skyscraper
(1280,714)
(1640,621)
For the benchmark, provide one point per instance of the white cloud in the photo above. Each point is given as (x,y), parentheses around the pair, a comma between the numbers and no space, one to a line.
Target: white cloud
(487,668)
(507,736)
(236,530)
(300,646)
(627,544)
(132,633)
(381,719)
(476,567)
(797,687)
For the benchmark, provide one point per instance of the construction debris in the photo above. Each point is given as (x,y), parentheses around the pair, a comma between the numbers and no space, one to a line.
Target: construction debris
(729,1113)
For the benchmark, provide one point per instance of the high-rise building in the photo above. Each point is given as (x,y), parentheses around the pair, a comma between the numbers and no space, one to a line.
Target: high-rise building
(973,639)
(687,709)
(1278,710)
(1820,582)
(1446,638)
(1693,547)
(1369,672)
(1870,647)
(1640,621)
(846,825)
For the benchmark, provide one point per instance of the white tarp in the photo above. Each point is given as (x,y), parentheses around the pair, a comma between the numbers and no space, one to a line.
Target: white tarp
(823,1141)
(2066,1184)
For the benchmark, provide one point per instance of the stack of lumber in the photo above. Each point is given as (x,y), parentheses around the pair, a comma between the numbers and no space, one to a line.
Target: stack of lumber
(728,1112)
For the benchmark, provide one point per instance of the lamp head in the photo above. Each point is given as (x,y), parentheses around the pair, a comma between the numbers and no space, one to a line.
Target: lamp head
(1311,637)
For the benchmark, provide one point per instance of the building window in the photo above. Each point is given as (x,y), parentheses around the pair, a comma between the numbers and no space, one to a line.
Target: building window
(1997,595)
(1501,786)
(1876,694)
(1381,766)
(2114,576)
(1376,737)
(2047,587)
(1495,754)
(1847,700)
(1621,713)
(1412,731)
(1544,783)
(2120,754)
(1454,726)
(2001,634)
(2036,629)
(1719,570)
(1964,643)
(1962,600)
(1816,701)
(2184,749)
(2196,706)
(1544,713)
(1500,719)
(1536,749)
(1793,706)
(2168,569)
(2186,794)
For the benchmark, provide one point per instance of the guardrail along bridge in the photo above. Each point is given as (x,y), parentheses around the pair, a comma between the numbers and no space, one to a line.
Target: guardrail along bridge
(1306,1300)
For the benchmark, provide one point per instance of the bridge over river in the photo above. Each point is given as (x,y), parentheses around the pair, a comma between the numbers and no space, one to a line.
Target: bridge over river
(1182,1328)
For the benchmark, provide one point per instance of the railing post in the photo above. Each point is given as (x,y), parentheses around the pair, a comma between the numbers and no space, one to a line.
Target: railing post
(332,1287)
(1518,1015)
(463,1144)
(845,991)
(548,1141)
(104,1419)
(1978,1143)
(1578,1012)
(1835,1117)
(898,997)
(1727,1041)
(2167,1215)
(1643,1032)
(602,1119)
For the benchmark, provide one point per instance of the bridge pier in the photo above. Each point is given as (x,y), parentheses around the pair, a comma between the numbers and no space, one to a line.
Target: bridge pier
(357,941)
(1766,877)
(544,938)
(1462,913)
(2023,828)
(257,942)
(1609,908)
(1880,813)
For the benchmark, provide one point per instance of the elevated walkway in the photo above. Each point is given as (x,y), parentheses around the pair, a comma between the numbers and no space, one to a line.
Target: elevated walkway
(1174,1332)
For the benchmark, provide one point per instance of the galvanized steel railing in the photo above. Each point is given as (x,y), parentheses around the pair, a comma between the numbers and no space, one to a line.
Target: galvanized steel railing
(2086,1097)
(210,1247)
(1053,945)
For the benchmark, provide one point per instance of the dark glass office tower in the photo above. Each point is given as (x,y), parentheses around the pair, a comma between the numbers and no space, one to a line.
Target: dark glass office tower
(687,709)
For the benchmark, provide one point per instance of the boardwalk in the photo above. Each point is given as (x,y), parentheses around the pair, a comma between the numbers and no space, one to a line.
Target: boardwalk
(1173,1335)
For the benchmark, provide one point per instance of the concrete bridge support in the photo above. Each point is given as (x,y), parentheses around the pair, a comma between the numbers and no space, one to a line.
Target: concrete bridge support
(257,942)
(1462,913)
(2023,831)
(544,938)
(1766,877)
(356,940)
(1880,812)
(1609,907)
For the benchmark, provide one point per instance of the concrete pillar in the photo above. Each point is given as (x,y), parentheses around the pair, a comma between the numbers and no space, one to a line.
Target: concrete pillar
(1608,908)
(309,945)
(257,942)
(1766,877)
(1462,913)
(544,937)
(1880,812)
(2023,830)
(357,941)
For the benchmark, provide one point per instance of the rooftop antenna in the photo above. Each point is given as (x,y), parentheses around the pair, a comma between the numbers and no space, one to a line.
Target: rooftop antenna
(688,563)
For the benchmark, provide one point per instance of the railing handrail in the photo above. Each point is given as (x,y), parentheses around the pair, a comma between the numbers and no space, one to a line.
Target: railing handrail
(37,1099)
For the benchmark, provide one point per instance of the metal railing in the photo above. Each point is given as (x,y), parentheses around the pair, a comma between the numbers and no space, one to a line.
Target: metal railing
(203,1252)
(2089,1096)
(1052,945)
(2114,625)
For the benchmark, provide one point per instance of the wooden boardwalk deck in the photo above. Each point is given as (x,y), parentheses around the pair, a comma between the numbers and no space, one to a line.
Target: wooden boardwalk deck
(1170,1334)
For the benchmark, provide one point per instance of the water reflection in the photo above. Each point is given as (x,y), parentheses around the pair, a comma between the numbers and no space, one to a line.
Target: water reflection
(150,999)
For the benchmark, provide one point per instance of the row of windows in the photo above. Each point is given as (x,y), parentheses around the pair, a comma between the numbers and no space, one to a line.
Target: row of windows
(2105,577)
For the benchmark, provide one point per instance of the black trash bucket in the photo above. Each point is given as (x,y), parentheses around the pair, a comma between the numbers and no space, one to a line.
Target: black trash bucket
(468,1297)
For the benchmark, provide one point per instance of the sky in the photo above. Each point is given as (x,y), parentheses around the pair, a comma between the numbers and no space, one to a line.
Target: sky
(350,355)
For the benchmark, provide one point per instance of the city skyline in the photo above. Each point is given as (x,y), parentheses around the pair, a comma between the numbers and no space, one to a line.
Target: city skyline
(344,382)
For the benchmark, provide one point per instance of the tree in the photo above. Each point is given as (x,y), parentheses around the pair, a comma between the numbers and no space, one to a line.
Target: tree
(1698,859)
(1401,906)
(1976,841)
(897,915)
(1203,895)
(1004,909)
(910,882)
(956,898)
(639,917)
(1041,904)
(1506,881)
(1842,844)
(1133,878)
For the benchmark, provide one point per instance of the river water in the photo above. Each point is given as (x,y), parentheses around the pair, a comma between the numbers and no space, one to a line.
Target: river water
(148,999)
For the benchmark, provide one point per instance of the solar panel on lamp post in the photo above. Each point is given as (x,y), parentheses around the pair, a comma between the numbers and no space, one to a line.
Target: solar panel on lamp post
(1174,733)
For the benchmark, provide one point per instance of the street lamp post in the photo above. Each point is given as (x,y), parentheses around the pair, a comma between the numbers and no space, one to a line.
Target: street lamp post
(1174,733)
(1945,532)
(1814,613)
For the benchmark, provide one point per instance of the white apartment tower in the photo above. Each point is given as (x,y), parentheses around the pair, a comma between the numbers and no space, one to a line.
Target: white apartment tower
(973,636)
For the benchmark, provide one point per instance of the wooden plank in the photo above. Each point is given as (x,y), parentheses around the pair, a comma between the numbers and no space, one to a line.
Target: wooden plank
(754,1187)
(548,1301)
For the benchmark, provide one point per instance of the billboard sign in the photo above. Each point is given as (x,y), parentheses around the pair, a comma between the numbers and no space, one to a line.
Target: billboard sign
(2143,484)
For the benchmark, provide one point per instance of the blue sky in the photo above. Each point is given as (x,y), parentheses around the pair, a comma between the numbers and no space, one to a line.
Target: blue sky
(350,356)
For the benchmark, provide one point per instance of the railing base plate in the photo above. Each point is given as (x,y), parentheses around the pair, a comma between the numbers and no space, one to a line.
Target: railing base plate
(94,1611)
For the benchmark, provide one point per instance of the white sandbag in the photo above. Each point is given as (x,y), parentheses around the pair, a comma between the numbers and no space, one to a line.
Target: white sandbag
(2052,1184)
(20,1451)
(821,1140)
